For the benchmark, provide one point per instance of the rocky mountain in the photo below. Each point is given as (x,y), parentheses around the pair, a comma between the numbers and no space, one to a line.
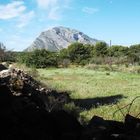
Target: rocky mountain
(58,38)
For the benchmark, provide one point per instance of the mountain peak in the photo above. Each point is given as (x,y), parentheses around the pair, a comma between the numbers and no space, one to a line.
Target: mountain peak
(58,38)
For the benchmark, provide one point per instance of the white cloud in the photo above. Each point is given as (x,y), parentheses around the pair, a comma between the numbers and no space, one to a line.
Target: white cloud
(46,3)
(12,10)
(25,19)
(89,10)
(54,13)
(54,8)
(16,9)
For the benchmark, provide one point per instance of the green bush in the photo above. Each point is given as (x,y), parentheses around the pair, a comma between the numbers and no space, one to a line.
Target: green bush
(39,59)
(65,63)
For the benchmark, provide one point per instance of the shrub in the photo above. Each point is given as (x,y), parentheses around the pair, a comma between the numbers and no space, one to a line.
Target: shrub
(72,109)
(65,63)
(92,66)
(106,67)
(39,59)
(97,60)
(138,70)
(107,73)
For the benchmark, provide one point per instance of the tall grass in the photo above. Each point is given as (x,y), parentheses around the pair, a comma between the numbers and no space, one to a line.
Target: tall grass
(84,84)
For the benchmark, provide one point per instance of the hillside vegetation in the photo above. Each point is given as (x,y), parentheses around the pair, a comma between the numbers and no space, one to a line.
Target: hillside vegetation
(80,54)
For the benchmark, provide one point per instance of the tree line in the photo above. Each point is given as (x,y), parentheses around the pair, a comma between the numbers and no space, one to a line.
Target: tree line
(101,53)
(79,54)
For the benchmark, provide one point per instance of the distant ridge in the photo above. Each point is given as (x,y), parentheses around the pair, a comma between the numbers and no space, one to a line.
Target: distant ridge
(58,38)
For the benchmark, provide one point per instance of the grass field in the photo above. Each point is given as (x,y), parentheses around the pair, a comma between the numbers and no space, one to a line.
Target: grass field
(96,92)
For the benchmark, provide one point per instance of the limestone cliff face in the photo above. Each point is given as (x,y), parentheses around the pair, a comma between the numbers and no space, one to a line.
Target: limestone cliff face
(58,38)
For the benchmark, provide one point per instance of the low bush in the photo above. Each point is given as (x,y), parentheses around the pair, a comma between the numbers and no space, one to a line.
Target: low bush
(72,109)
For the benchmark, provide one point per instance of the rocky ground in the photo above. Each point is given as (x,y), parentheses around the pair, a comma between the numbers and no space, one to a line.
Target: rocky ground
(30,111)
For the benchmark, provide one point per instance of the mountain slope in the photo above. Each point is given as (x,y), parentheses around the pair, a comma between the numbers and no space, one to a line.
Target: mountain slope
(58,38)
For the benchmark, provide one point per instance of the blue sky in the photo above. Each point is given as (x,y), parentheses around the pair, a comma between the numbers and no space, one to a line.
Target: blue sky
(21,21)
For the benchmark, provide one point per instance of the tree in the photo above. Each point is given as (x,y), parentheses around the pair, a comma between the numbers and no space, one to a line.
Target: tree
(101,49)
(63,54)
(39,58)
(134,53)
(78,53)
(117,51)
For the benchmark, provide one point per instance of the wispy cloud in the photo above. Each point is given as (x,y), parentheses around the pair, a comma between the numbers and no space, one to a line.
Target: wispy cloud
(54,8)
(54,13)
(17,10)
(25,19)
(47,3)
(12,10)
(90,10)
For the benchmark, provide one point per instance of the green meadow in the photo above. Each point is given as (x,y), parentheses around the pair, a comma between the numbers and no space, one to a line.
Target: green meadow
(99,93)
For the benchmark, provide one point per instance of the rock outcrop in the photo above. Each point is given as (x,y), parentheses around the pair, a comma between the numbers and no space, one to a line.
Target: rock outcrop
(58,38)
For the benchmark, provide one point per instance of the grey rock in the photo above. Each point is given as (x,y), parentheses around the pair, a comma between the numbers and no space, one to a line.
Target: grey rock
(58,38)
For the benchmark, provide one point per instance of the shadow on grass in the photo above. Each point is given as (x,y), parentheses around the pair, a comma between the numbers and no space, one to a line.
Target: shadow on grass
(98,101)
